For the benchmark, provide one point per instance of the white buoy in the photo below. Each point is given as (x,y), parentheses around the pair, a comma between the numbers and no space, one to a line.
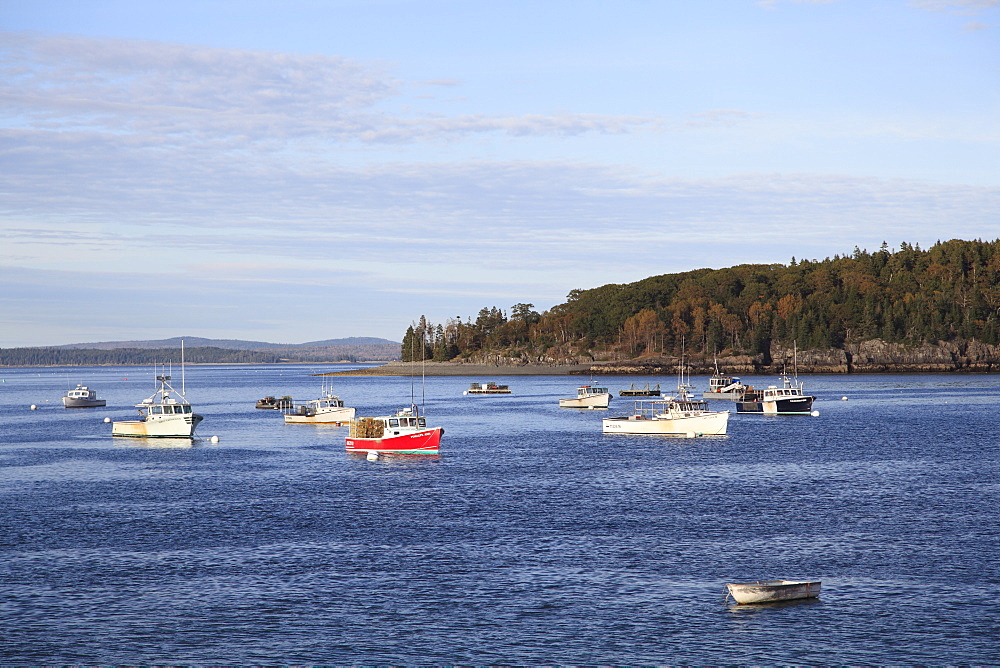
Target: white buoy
(843,398)
(34,407)
(371,456)
(214,439)
(815,414)
(107,420)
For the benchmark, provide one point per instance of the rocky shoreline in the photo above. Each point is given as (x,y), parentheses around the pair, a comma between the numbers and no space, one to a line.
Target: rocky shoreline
(875,356)
(466,369)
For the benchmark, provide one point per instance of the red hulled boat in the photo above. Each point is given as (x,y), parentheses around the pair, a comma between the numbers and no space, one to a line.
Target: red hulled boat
(405,433)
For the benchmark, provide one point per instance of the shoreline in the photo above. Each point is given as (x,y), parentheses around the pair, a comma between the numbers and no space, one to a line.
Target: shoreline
(461,369)
(486,371)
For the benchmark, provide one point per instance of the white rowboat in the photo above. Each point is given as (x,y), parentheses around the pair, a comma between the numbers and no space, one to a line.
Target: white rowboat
(769,591)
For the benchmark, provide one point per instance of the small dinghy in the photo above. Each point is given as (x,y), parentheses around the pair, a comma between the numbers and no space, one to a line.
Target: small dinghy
(769,591)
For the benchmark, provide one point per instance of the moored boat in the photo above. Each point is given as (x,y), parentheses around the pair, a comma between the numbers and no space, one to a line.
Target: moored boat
(588,396)
(82,397)
(487,388)
(404,433)
(283,403)
(721,386)
(165,414)
(328,409)
(789,399)
(634,391)
(769,591)
(680,415)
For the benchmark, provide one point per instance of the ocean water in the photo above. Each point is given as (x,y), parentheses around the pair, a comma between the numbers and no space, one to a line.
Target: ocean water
(532,538)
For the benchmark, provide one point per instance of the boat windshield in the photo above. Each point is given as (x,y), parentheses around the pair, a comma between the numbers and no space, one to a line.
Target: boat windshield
(177,409)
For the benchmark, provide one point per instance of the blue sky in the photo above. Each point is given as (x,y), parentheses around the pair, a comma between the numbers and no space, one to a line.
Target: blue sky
(301,170)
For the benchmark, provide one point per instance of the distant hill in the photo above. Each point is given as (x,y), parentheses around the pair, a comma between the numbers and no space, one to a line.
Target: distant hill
(131,356)
(199,349)
(231,344)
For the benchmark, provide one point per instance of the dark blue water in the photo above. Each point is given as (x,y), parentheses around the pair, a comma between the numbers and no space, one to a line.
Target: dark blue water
(532,539)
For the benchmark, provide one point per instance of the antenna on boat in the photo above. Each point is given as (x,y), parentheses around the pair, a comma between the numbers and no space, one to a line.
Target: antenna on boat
(413,350)
(183,391)
(795,361)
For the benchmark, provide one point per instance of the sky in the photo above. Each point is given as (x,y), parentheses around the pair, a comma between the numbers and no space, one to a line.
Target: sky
(304,170)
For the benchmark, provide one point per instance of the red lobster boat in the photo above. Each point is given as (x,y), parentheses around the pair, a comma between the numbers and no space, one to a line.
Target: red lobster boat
(405,433)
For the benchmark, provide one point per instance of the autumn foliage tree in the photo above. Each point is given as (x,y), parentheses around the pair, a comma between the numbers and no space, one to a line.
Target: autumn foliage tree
(950,291)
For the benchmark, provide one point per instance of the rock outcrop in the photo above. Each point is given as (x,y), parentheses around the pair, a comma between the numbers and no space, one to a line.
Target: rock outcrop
(874,356)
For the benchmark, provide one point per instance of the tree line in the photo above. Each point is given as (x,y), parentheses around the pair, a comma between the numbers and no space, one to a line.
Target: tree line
(907,295)
(131,356)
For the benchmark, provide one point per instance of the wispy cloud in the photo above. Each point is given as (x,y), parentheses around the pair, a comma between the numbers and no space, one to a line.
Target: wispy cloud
(161,93)
(241,176)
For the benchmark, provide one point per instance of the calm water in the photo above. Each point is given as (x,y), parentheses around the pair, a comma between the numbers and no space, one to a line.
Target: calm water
(533,538)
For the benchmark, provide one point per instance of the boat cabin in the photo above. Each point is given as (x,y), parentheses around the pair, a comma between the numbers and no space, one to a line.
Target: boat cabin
(405,422)
(170,409)
(328,402)
(723,383)
(657,409)
(589,391)
(773,392)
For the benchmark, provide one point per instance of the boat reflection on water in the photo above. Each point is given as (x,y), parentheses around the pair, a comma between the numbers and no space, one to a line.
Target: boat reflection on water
(392,458)
(735,608)
(160,442)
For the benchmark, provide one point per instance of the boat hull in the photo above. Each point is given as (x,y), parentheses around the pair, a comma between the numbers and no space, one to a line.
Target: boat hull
(785,406)
(173,426)
(707,424)
(73,402)
(339,416)
(423,442)
(769,591)
(593,401)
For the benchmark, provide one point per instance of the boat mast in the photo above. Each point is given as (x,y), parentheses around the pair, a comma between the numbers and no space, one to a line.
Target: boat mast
(795,363)
(183,391)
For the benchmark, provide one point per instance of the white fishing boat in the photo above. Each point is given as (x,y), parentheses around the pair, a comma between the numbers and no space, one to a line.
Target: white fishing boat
(82,397)
(165,414)
(680,415)
(721,386)
(588,396)
(487,388)
(328,409)
(770,591)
